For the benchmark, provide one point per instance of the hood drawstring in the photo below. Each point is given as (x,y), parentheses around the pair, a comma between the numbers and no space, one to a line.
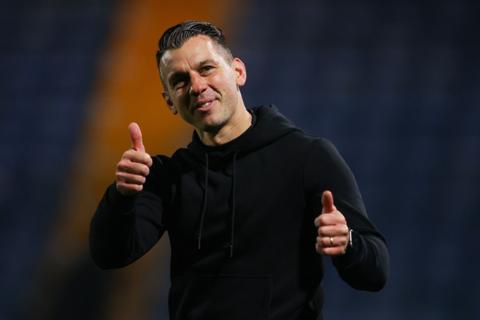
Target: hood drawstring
(204,205)
(230,244)
(232,216)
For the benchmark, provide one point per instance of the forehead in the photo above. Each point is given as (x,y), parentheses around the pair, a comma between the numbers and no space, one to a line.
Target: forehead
(193,51)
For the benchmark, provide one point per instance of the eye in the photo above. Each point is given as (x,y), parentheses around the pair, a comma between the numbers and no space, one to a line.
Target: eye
(179,81)
(206,69)
(179,84)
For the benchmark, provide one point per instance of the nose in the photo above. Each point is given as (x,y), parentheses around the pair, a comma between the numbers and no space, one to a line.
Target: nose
(198,84)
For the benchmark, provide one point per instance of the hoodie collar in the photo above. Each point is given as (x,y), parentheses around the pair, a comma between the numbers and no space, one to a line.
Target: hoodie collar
(268,125)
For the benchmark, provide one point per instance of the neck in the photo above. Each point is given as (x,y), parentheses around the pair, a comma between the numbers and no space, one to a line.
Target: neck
(241,121)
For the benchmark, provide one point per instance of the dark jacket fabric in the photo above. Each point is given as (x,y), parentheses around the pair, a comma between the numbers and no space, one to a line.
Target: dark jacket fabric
(240,218)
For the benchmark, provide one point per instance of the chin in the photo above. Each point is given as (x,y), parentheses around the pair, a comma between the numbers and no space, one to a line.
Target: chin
(212,126)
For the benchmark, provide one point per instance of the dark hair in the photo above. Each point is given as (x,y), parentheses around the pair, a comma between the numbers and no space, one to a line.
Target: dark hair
(176,36)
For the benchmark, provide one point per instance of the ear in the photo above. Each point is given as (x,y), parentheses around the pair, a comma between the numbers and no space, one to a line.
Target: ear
(169,103)
(240,71)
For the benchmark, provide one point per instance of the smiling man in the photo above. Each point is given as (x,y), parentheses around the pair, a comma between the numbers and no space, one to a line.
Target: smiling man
(252,205)
(202,82)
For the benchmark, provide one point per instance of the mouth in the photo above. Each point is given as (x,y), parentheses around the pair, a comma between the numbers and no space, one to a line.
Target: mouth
(203,105)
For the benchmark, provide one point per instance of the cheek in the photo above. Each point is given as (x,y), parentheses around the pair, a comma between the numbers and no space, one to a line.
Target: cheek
(225,82)
(185,115)
(180,99)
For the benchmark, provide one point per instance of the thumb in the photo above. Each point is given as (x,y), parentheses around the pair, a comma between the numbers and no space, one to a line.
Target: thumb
(136,137)
(327,202)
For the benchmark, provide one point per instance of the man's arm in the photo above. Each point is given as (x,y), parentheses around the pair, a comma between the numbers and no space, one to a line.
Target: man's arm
(131,215)
(124,228)
(345,233)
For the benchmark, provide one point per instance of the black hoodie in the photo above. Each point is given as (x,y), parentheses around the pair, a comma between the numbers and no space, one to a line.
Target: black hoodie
(240,222)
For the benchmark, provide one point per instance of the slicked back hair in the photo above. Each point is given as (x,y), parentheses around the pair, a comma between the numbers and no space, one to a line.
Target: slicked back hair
(176,36)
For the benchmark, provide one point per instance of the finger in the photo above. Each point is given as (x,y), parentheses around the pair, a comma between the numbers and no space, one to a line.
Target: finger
(330,219)
(129,178)
(133,167)
(136,137)
(331,251)
(128,189)
(137,156)
(332,231)
(148,160)
(336,241)
(327,202)
(317,221)
(331,246)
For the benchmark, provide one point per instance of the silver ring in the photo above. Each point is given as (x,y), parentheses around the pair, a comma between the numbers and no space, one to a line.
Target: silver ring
(331,241)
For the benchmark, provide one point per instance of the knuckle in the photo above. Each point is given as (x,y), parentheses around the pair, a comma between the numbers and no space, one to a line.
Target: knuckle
(123,165)
(147,158)
(127,154)
(136,187)
(324,230)
(321,220)
(119,165)
(142,170)
(118,176)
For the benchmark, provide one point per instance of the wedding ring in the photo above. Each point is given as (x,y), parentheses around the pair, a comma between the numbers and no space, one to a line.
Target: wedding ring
(331,241)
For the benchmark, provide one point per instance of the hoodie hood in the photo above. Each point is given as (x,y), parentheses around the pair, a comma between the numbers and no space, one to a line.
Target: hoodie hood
(268,125)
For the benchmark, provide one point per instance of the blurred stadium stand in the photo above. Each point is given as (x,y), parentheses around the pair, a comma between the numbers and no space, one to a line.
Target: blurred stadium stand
(48,55)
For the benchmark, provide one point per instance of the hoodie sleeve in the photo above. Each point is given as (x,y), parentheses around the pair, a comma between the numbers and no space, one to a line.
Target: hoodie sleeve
(124,228)
(365,264)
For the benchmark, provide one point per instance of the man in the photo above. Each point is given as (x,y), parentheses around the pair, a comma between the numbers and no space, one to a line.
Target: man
(252,205)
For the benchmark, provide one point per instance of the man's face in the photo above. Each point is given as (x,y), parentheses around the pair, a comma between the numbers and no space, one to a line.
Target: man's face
(202,83)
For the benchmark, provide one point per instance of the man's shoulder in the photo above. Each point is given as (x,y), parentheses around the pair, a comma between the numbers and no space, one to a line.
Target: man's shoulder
(182,157)
(163,163)
(304,140)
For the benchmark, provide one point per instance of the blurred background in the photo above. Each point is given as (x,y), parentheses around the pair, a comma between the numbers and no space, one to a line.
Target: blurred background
(394,84)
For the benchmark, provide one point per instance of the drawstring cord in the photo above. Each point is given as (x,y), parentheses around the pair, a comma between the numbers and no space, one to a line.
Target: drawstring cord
(232,222)
(230,245)
(204,205)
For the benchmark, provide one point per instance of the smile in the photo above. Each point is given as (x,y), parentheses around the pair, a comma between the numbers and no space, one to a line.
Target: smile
(204,105)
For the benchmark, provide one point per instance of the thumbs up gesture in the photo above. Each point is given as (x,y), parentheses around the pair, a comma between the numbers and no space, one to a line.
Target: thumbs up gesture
(332,229)
(134,166)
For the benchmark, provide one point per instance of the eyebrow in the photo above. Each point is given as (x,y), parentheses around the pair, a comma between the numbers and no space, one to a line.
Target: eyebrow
(207,61)
(179,74)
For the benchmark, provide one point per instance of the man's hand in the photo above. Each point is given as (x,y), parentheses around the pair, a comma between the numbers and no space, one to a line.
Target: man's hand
(134,166)
(332,229)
